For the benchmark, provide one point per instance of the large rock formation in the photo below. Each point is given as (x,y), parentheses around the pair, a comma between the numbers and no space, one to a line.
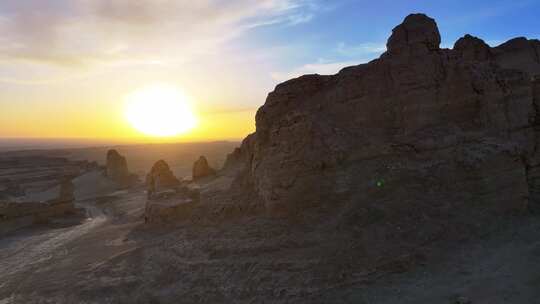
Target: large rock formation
(161,177)
(117,169)
(202,169)
(421,132)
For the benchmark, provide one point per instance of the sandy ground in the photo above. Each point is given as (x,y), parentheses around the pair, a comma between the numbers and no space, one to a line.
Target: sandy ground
(112,257)
(65,247)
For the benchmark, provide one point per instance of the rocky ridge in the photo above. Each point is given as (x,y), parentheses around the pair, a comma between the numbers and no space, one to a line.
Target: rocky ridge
(420,132)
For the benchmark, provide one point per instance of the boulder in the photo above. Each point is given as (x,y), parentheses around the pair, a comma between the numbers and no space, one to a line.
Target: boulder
(421,130)
(201,169)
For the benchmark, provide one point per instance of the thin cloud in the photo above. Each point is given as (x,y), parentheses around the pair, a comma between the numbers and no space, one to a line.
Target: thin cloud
(322,68)
(344,55)
(83,32)
(360,49)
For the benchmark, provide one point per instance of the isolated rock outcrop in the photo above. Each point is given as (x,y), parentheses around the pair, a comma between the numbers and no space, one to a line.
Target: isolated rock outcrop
(201,169)
(417,34)
(161,177)
(416,135)
(66,192)
(117,169)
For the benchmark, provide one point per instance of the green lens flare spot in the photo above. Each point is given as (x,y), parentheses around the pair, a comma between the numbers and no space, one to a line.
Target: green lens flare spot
(380,183)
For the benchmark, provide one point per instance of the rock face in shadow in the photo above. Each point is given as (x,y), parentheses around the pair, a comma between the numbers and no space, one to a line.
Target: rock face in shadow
(201,169)
(161,177)
(418,34)
(117,169)
(416,135)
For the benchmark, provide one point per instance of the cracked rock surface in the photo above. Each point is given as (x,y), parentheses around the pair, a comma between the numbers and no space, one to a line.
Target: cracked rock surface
(420,127)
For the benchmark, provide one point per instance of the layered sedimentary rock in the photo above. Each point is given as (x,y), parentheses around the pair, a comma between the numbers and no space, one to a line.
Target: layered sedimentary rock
(202,169)
(117,169)
(40,207)
(161,177)
(420,132)
(22,174)
(36,188)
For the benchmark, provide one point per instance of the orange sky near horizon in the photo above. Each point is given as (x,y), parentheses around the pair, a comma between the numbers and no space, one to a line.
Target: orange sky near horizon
(66,66)
(90,103)
(46,122)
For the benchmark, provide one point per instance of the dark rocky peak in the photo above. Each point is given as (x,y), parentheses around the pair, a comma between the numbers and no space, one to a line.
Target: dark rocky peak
(418,34)
(515,44)
(473,48)
(519,54)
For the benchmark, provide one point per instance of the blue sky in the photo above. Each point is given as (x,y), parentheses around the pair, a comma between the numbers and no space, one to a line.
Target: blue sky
(74,57)
(348,30)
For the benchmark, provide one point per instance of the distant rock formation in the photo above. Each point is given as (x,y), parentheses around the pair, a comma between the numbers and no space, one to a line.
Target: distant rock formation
(117,169)
(201,169)
(66,192)
(161,177)
(421,130)
(55,202)
(9,188)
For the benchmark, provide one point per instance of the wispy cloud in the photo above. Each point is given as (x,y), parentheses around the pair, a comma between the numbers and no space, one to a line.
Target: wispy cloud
(87,32)
(321,67)
(361,49)
(343,55)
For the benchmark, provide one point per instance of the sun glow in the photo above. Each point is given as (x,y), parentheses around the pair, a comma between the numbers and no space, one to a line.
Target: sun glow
(160,110)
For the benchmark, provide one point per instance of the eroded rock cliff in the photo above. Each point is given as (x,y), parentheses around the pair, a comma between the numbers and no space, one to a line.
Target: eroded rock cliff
(421,132)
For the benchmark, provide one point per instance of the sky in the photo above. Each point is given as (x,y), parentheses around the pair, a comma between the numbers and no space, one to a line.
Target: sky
(66,66)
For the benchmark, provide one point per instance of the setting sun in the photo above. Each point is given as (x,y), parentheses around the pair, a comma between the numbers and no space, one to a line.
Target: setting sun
(160,110)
